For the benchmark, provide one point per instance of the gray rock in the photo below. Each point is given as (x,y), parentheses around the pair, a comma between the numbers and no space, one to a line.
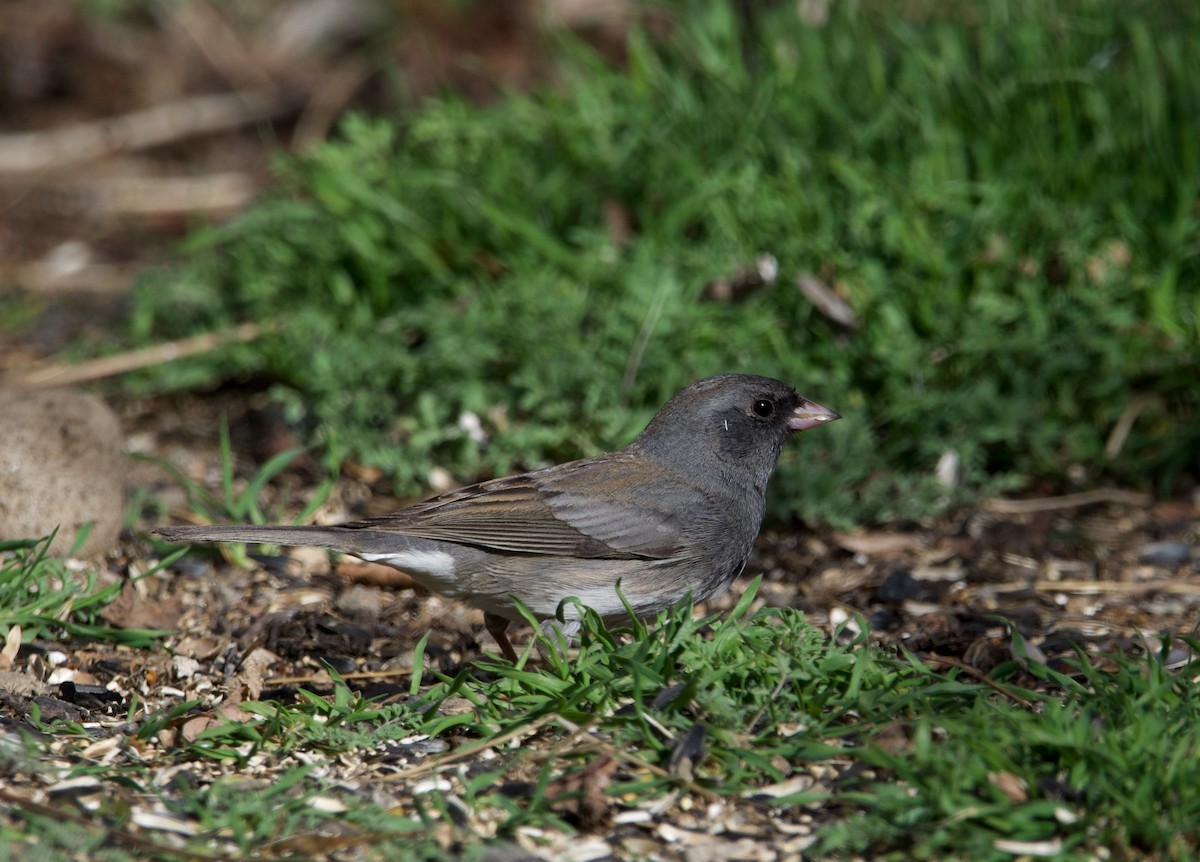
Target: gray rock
(61,465)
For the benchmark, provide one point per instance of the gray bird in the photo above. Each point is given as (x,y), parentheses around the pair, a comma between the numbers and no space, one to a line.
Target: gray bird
(675,513)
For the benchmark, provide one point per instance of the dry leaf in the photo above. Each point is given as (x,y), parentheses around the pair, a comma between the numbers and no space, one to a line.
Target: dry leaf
(253,671)
(376,575)
(20,683)
(1013,788)
(826,300)
(193,727)
(202,648)
(131,610)
(580,795)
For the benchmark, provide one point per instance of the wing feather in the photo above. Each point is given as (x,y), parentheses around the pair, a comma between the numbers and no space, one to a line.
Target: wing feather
(612,507)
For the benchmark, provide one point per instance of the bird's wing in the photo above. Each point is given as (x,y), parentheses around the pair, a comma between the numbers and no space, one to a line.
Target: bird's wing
(613,507)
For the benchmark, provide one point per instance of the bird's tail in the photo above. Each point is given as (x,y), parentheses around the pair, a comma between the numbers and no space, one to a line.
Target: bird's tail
(334,538)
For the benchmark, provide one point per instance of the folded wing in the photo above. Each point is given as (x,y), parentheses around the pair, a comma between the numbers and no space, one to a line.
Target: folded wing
(615,507)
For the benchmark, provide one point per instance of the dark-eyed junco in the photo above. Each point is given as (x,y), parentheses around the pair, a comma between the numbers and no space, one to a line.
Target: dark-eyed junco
(673,514)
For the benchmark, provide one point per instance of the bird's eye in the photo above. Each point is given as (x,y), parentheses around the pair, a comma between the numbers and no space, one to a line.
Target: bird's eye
(763,408)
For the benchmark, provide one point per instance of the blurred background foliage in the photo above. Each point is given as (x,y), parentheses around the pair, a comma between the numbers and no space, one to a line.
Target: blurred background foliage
(1006,196)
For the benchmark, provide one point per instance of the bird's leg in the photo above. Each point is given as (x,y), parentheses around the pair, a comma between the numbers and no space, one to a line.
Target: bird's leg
(496,627)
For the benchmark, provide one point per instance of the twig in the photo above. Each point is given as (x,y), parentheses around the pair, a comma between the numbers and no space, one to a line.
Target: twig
(623,755)
(649,322)
(472,750)
(217,192)
(979,675)
(219,44)
(779,687)
(52,374)
(1116,439)
(47,278)
(1178,588)
(1066,501)
(32,152)
(326,679)
(328,101)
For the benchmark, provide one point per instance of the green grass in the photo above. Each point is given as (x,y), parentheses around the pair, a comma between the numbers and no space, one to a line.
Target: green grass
(1106,763)
(1004,192)
(46,598)
(1104,756)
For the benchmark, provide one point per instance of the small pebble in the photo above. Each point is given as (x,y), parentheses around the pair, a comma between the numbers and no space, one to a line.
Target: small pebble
(1166,553)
